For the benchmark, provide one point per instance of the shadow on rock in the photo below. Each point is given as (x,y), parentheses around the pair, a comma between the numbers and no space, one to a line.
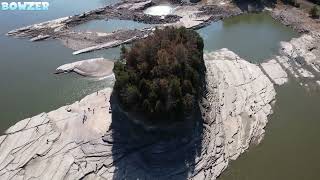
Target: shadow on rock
(166,153)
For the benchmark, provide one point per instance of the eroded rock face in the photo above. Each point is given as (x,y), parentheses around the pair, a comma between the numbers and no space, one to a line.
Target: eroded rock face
(84,140)
(300,57)
(240,95)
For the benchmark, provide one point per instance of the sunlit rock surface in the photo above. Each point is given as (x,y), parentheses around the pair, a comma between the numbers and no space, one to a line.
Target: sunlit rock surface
(97,67)
(300,57)
(64,143)
(84,140)
(274,70)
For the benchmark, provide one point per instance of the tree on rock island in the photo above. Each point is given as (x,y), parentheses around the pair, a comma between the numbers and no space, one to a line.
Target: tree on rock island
(161,77)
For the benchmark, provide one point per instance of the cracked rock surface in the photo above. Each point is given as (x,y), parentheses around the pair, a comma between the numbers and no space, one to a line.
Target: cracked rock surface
(300,57)
(85,141)
(62,144)
(274,70)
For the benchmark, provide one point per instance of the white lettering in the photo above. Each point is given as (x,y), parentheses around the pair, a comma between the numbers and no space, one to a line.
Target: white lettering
(22,6)
(5,5)
(45,5)
(13,6)
(29,6)
(38,6)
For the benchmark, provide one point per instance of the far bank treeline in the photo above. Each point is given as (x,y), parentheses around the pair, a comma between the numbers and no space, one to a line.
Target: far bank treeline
(161,77)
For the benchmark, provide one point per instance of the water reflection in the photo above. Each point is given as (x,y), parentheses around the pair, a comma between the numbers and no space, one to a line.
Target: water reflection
(254,37)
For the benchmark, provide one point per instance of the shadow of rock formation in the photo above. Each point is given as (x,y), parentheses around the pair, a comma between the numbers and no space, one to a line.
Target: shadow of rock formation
(167,153)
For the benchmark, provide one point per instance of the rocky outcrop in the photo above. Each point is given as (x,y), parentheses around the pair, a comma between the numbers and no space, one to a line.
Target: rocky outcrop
(85,141)
(304,50)
(300,57)
(239,95)
(275,72)
(187,15)
(98,67)
(297,18)
(62,144)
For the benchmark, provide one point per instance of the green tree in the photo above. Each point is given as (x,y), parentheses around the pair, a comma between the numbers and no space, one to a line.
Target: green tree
(163,74)
(130,96)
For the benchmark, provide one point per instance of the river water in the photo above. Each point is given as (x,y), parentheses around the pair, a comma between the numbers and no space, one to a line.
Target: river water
(254,37)
(290,149)
(27,83)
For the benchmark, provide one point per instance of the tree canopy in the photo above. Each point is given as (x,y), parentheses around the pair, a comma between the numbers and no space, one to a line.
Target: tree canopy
(162,76)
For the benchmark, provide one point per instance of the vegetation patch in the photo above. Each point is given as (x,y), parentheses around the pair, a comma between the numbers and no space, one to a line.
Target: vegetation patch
(162,77)
(314,12)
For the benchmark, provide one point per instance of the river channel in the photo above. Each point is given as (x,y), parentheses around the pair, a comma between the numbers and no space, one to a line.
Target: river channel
(290,149)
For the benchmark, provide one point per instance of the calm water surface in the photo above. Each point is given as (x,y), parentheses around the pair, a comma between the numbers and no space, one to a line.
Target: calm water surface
(254,37)
(290,149)
(27,83)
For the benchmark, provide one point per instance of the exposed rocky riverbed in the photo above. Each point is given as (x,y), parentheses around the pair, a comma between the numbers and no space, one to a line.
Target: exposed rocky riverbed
(184,14)
(84,140)
(299,57)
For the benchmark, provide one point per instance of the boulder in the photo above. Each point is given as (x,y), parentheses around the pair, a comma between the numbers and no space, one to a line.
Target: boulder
(98,67)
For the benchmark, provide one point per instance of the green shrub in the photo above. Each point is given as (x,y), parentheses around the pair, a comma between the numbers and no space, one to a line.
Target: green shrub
(314,12)
(162,76)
